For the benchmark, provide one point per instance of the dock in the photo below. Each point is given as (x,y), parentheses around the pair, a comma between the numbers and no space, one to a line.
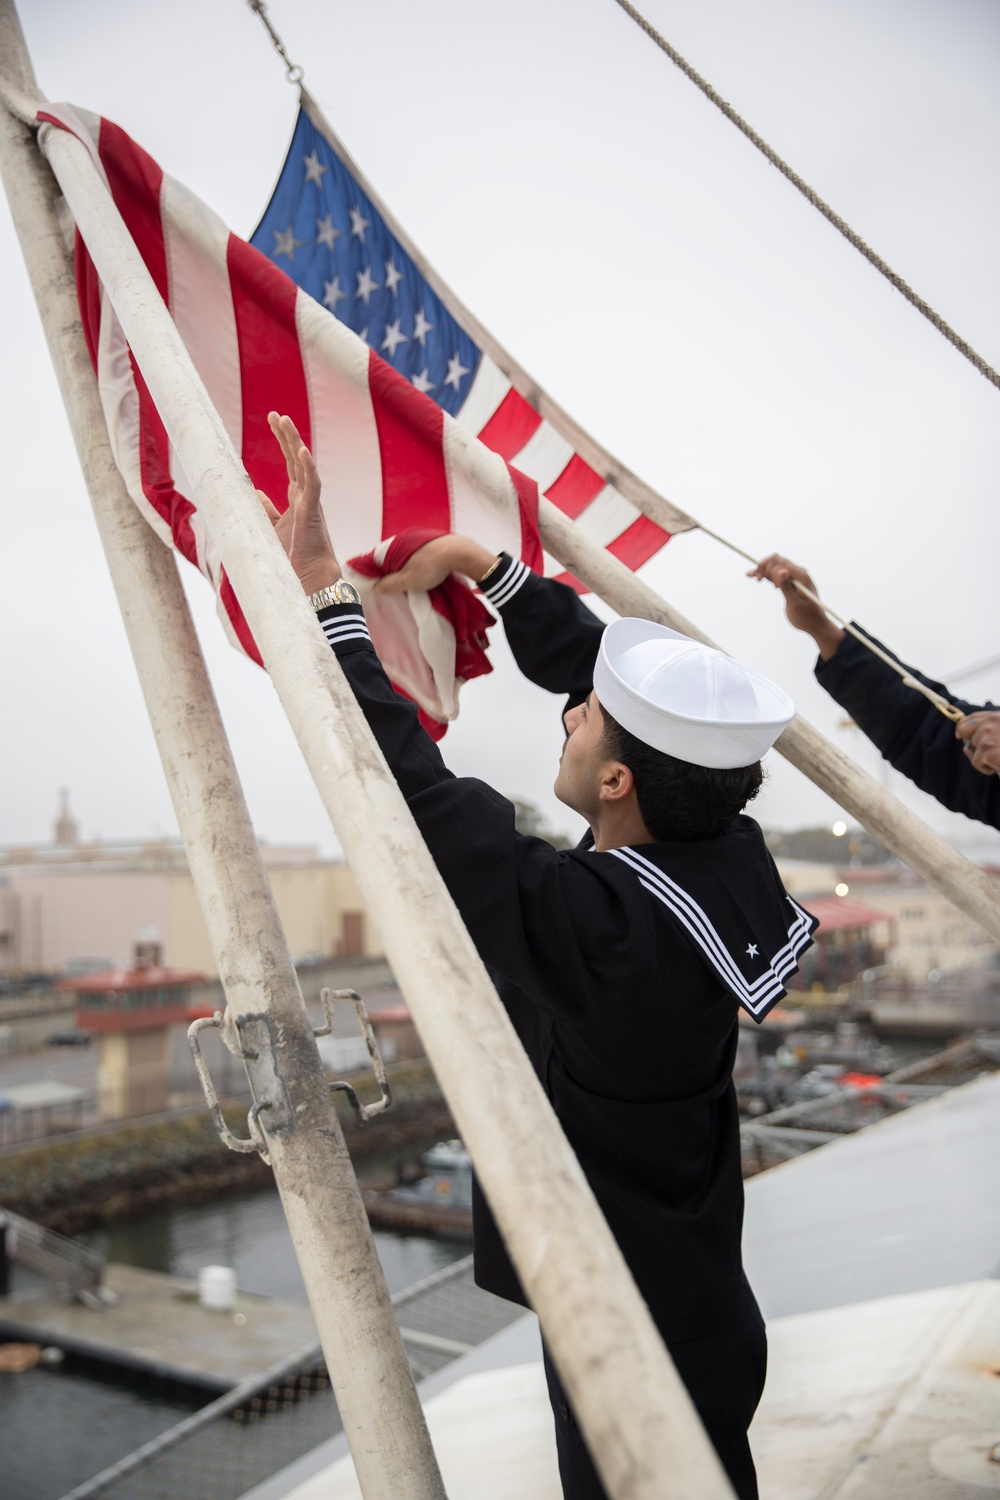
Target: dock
(158,1327)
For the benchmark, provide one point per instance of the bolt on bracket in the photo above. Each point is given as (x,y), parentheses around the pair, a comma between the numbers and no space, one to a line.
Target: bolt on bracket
(365,1112)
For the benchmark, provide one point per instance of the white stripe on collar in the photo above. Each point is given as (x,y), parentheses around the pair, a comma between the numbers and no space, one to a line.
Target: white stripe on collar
(755,997)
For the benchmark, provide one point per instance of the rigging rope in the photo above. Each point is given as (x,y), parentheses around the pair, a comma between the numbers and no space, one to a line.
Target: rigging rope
(807,192)
(940,703)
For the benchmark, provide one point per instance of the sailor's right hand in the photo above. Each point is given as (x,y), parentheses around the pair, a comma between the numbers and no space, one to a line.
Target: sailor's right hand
(801,612)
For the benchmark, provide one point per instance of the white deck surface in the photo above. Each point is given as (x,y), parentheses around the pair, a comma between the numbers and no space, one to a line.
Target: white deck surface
(905,1205)
(869,1257)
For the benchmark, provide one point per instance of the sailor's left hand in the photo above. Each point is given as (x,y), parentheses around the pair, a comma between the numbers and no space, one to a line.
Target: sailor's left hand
(301,529)
(981,733)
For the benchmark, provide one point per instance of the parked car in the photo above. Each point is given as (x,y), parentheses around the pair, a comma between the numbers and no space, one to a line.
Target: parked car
(70,1039)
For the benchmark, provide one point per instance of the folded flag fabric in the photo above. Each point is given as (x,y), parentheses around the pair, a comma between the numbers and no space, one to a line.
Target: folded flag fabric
(389,457)
(437,640)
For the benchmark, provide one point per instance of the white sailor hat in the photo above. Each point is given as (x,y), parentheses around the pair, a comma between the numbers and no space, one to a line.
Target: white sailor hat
(685,698)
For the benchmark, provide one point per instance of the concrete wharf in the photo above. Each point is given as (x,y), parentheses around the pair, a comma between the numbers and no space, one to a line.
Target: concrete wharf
(158,1327)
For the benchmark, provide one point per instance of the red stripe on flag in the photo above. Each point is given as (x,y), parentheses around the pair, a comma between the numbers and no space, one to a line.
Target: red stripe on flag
(88,292)
(527,500)
(270,361)
(638,542)
(635,545)
(237,619)
(136,181)
(411,438)
(154,468)
(510,426)
(575,488)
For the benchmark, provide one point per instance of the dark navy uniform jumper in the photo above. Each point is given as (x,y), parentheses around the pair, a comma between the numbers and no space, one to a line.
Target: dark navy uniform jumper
(622,973)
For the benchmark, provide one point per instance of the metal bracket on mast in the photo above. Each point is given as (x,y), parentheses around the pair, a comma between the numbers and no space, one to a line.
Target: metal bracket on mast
(365,1112)
(268,1087)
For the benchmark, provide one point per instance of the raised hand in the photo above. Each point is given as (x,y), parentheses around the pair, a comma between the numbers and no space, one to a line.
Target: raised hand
(301,530)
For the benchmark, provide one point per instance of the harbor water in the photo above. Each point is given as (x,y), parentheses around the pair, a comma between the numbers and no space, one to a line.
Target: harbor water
(62,1423)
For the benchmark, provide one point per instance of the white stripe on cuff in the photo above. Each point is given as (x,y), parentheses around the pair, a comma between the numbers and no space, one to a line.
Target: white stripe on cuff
(352,627)
(501,590)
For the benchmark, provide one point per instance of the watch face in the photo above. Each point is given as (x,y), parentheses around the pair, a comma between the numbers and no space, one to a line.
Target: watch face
(346,592)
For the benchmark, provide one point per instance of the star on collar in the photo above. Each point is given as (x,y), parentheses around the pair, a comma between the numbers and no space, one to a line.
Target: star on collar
(751,950)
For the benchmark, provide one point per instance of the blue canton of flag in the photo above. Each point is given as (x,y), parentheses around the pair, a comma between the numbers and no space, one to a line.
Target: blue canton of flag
(325,232)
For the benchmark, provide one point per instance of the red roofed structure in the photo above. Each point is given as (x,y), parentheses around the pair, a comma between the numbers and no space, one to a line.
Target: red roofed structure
(132,1011)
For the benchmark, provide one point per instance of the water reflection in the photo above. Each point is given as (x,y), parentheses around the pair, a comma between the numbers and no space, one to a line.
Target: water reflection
(250,1233)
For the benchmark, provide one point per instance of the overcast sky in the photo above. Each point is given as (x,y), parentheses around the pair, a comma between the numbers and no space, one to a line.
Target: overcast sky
(648,267)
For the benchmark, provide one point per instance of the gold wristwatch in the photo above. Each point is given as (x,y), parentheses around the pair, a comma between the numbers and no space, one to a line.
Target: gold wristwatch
(340,592)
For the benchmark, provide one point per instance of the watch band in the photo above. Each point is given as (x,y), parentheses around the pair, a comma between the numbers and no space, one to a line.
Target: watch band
(340,592)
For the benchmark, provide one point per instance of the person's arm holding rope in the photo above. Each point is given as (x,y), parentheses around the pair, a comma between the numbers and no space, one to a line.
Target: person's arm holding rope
(912,735)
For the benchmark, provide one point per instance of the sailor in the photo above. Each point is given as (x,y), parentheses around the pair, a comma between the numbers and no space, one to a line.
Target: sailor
(622,963)
(956,763)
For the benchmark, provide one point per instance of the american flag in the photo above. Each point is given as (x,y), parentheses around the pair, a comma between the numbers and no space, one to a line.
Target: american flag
(326,227)
(385,406)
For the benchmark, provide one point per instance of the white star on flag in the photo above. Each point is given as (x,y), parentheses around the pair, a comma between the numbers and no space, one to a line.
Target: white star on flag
(314,168)
(423,381)
(393,338)
(752,950)
(359,224)
(365,284)
(325,232)
(455,372)
(421,328)
(392,277)
(286,243)
(332,294)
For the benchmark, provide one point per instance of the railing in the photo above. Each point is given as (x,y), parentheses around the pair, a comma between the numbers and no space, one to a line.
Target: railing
(266,1423)
(63,1260)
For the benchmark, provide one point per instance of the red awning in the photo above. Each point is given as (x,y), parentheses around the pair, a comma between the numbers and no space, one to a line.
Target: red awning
(839,913)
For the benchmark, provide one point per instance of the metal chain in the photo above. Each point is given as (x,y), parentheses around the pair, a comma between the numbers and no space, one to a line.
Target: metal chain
(293,72)
(817,202)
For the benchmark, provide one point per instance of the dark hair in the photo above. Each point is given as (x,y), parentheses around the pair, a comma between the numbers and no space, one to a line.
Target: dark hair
(679,800)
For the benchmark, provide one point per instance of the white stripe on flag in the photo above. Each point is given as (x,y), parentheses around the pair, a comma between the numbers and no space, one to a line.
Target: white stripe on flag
(607,516)
(344,435)
(483,498)
(544,456)
(196,243)
(487,390)
(120,401)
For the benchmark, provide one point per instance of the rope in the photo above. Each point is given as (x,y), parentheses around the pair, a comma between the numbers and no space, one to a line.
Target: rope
(293,72)
(940,703)
(817,202)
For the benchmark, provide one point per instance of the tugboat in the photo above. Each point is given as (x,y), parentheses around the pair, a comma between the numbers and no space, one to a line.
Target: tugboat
(439,1202)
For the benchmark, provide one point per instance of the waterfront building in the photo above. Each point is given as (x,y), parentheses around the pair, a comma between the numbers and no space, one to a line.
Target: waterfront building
(70,905)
